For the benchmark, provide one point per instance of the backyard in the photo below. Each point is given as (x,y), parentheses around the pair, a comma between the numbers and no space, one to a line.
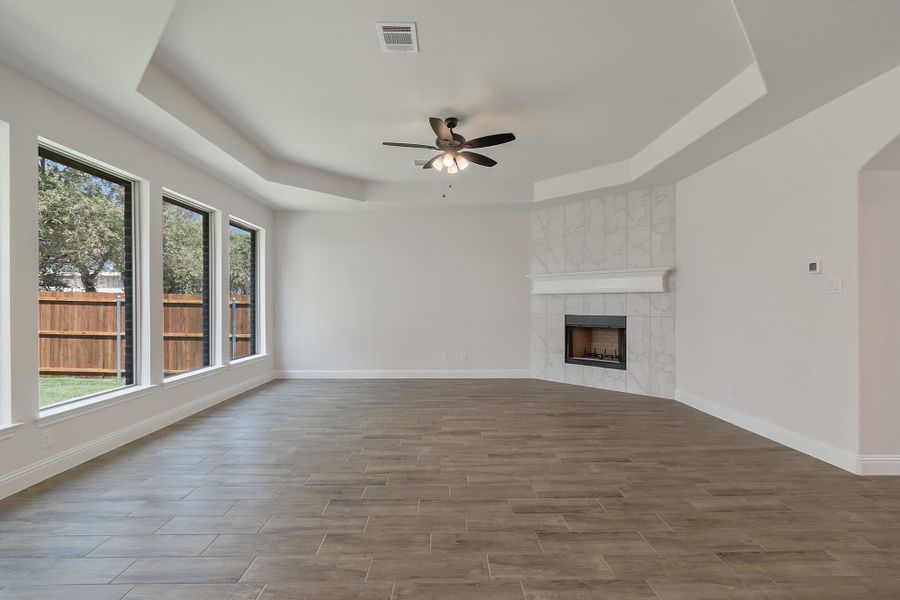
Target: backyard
(60,389)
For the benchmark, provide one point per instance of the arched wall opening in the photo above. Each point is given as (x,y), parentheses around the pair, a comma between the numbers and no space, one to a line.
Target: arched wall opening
(879,308)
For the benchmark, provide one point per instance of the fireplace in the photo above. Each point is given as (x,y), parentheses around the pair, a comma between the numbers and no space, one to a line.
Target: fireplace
(595,341)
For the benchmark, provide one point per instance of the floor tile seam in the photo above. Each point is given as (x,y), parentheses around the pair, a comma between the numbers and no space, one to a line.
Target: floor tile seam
(85,555)
(261,590)
(189,493)
(652,589)
(666,523)
(120,573)
(861,539)
(213,541)
(369,568)
(321,543)
(752,539)
(646,541)
(169,520)
(247,568)
(263,526)
(606,563)
(537,536)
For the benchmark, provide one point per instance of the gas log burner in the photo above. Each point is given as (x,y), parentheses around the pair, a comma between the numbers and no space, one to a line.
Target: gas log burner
(595,341)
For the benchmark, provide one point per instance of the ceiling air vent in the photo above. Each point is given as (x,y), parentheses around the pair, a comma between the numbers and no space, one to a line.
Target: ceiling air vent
(397,37)
(420,162)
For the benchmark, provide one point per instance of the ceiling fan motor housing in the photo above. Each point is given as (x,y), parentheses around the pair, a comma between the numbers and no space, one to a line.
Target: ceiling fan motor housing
(455,144)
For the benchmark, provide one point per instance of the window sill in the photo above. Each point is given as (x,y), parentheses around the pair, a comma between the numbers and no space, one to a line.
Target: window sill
(247,360)
(194,375)
(7,431)
(53,415)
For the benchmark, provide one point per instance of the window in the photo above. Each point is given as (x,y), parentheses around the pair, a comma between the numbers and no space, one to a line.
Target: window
(85,274)
(243,290)
(186,287)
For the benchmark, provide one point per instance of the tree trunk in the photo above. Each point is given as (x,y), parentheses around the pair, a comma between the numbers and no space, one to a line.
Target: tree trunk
(88,281)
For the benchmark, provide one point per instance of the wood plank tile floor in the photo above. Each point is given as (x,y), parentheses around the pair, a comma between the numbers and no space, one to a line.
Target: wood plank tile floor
(502,489)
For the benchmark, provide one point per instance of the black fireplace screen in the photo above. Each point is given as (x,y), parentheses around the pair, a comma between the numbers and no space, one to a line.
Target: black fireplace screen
(596,341)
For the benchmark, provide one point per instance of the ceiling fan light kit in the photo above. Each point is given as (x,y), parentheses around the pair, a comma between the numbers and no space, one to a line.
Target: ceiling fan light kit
(454,148)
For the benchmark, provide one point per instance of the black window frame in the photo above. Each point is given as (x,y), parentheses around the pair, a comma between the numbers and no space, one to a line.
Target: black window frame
(129,272)
(254,240)
(206,214)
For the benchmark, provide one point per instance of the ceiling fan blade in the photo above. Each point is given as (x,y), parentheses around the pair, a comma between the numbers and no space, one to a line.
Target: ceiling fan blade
(430,164)
(490,140)
(440,129)
(404,145)
(478,159)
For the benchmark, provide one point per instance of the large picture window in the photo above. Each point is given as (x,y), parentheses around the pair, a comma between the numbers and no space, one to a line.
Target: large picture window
(242,300)
(85,275)
(186,287)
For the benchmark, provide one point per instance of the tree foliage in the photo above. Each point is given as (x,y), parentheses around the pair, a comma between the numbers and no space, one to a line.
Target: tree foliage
(241,267)
(81,226)
(182,250)
(82,229)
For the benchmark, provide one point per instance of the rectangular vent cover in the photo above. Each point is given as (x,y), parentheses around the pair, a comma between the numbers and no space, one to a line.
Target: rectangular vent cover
(398,37)
(420,162)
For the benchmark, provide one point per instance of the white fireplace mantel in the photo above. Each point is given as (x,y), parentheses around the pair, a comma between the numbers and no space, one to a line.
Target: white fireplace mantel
(601,282)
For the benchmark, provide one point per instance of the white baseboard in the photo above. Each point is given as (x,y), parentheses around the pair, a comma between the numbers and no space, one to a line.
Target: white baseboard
(879,464)
(29,475)
(408,374)
(825,452)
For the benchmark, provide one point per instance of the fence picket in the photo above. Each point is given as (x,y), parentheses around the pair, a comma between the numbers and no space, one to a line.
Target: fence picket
(78,332)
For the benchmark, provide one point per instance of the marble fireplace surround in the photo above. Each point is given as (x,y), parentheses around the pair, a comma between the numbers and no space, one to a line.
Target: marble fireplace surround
(613,255)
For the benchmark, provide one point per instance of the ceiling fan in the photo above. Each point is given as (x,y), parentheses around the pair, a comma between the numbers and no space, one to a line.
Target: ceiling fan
(455,148)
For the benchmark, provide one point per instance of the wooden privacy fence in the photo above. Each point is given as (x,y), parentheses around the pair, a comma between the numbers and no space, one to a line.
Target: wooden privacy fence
(80,332)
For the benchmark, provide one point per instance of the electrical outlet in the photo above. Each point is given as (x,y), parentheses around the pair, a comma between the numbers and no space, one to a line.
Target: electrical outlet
(463,355)
(444,356)
(46,439)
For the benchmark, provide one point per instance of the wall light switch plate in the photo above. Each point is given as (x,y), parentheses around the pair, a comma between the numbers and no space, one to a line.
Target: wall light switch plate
(835,286)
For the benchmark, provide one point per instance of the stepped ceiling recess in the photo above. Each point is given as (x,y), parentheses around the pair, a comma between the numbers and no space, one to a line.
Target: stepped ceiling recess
(604,95)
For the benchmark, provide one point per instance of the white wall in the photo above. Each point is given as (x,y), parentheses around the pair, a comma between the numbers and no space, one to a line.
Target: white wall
(760,342)
(879,312)
(33,111)
(387,293)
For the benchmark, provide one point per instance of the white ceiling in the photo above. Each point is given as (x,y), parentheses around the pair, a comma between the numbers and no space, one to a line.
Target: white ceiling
(580,82)
(289,100)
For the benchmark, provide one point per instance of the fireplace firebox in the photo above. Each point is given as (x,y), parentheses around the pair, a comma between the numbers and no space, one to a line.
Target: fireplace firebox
(596,341)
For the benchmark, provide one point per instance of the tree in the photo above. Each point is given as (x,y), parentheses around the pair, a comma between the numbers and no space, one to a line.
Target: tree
(182,250)
(81,226)
(241,248)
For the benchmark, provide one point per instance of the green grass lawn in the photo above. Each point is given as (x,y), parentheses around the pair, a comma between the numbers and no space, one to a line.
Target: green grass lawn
(60,389)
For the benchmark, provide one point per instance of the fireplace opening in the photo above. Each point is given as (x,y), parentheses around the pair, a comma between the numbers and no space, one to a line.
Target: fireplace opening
(595,341)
